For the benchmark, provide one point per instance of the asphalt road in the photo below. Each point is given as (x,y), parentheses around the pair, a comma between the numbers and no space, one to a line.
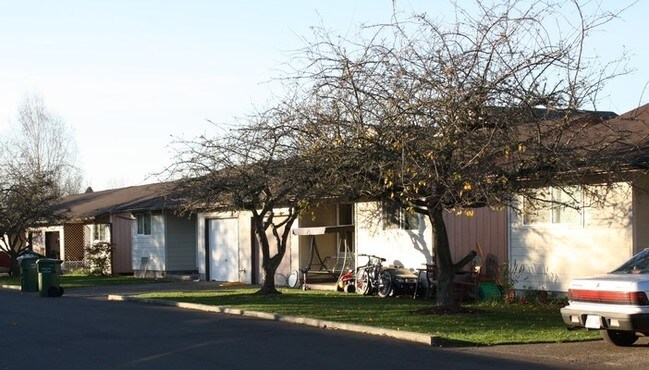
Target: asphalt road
(78,331)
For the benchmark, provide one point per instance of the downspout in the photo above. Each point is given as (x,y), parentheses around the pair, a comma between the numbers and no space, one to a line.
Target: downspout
(112,246)
(206,246)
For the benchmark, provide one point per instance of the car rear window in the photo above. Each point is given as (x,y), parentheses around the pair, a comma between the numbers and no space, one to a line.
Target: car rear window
(638,264)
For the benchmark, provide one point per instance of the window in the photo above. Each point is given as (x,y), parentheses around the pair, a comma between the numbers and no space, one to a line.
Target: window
(144,224)
(553,206)
(395,217)
(100,232)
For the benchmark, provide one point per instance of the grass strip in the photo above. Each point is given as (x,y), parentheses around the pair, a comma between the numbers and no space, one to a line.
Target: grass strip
(487,323)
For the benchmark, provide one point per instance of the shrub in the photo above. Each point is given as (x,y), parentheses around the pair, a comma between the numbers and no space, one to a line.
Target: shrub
(97,258)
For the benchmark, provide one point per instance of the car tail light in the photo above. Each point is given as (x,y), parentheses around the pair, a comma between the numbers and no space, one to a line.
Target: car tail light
(603,296)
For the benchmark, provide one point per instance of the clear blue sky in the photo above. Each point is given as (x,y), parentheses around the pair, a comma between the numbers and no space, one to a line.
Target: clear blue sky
(128,75)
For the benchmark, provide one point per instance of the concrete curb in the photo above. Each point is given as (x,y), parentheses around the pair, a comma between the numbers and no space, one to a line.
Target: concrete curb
(12,287)
(431,340)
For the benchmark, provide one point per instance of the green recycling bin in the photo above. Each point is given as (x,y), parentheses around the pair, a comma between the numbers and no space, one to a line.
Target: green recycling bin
(49,277)
(28,274)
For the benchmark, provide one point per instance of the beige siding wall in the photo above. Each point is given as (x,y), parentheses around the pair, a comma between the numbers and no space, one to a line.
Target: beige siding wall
(413,248)
(554,253)
(326,244)
(410,248)
(38,238)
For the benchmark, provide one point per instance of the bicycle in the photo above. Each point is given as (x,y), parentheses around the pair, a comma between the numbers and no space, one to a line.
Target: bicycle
(371,277)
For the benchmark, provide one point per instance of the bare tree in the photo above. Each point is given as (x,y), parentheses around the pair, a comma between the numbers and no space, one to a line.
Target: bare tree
(42,142)
(26,199)
(447,117)
(253,167)
(39,166)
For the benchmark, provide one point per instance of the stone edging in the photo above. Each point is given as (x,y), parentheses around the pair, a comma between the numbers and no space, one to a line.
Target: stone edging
(431,340)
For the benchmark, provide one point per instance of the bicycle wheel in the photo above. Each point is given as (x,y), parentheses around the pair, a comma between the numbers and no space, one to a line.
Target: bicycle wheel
(385,285)
(362,281)
(281,280)
(293,279)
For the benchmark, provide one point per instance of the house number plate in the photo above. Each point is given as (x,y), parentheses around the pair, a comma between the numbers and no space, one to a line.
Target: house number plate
(593,322)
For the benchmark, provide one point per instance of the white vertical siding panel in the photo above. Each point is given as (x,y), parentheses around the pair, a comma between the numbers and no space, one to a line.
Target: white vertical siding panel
(151,246)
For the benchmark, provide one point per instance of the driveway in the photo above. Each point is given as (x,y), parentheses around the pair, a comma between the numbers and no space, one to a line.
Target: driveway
(580,355)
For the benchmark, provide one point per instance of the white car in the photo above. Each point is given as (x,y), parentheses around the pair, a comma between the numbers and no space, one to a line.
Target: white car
(616,304)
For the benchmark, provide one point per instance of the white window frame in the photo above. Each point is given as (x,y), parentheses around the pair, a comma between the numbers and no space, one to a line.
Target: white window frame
(142,221)
(398,218)
(551,211)
(100,232)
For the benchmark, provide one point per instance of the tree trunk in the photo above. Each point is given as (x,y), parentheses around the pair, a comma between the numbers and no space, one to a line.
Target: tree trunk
(271,263)
(446,269)
(268,287)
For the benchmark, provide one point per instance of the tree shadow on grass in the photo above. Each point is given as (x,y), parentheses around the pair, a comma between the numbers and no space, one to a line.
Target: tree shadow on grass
(453,310)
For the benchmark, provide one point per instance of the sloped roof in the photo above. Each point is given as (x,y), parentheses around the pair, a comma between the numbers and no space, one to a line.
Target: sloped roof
(636,143)
(88,206)
(636,114)
(599,141)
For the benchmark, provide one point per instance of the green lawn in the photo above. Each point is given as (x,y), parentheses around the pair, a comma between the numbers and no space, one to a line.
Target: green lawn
(490,323)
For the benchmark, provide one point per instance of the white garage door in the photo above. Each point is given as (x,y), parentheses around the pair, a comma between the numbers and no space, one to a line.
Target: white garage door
(224,249)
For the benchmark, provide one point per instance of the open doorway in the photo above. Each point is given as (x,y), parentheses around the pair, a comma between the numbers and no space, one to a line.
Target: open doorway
(53,244)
